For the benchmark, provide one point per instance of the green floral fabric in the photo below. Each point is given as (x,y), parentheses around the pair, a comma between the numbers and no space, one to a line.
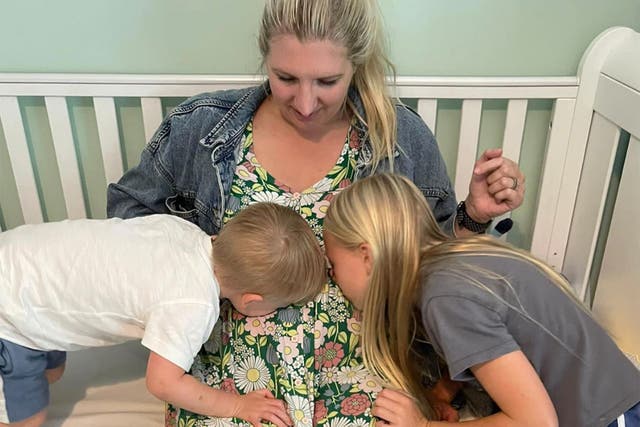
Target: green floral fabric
(307,355)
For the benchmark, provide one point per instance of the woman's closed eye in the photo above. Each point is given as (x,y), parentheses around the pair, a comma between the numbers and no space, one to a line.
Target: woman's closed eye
(287,79)
(328,82)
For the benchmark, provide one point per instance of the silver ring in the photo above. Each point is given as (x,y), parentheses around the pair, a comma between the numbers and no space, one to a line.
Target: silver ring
(515,183)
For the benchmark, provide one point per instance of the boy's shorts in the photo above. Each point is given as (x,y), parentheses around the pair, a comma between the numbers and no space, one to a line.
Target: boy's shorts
(24,389)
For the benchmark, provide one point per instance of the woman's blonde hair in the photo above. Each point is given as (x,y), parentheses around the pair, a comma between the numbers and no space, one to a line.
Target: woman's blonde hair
(391,214)
(356,25)
(270,250)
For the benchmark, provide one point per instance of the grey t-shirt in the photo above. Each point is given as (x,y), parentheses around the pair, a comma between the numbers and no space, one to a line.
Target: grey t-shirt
(590,381)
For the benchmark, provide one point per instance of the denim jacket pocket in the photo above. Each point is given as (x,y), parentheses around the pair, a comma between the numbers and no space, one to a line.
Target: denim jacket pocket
(182,205)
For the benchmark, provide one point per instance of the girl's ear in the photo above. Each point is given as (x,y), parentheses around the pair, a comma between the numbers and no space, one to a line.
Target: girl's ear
(367,256)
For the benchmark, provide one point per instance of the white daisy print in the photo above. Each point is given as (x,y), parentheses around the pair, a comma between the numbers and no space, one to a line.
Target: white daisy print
(370,384)
(270,196)
(360,422)
(218,422)
(251,374)
(328,375)
(339,422)
(351,375)
(299,410)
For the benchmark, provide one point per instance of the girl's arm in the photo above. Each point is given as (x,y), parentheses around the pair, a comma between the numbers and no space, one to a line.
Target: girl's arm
(169,382)
(511,382)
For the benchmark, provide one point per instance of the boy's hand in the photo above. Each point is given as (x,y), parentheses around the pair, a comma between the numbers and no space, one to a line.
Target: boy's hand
(398,409)
(440,397)
(260,405)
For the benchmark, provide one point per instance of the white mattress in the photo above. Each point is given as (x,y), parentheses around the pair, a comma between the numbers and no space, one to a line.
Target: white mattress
(105,387)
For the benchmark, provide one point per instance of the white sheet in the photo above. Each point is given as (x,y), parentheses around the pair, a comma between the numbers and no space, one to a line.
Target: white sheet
(105,387)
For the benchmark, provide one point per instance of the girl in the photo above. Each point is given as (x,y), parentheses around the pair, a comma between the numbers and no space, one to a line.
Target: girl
(493,312)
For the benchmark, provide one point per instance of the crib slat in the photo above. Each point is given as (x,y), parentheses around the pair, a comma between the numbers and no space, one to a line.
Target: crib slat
(428,110)
(467,145)
(151,115)
(590,200)
(616,299)
(66,156)
(20,160)
(109,137)
(544,243)
(514,128)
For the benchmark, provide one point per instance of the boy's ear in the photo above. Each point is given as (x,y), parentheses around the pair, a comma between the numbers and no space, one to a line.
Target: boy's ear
(248,298)
(367,256)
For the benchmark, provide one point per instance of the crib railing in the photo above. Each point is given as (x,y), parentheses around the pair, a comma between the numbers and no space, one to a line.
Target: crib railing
(424,92)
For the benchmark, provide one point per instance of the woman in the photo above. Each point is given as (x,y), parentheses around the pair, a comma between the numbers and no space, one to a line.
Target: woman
(322,120)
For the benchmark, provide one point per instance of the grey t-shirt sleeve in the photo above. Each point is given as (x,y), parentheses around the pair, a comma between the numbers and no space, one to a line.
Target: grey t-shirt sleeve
(465,333)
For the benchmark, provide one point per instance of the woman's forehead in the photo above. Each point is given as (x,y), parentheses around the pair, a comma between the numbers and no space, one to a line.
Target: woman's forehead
(288,49)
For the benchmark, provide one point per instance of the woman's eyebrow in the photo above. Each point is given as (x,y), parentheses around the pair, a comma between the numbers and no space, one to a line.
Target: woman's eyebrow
(287,74)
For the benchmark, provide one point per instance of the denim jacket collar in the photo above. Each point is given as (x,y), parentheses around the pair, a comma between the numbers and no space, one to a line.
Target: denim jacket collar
(227,128)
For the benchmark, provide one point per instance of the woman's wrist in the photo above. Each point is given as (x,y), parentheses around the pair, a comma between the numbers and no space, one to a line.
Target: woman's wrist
(473,212)
(467,217)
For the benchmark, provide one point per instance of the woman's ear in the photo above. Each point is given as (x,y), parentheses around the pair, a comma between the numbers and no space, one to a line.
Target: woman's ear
(367,256)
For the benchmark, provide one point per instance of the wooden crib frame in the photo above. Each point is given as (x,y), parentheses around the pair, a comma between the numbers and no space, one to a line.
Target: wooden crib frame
(591,114)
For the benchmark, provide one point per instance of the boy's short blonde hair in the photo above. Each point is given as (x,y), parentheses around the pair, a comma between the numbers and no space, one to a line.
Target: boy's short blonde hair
(270,250)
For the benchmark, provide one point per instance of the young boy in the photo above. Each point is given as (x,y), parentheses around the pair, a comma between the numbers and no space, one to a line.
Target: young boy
(77,284)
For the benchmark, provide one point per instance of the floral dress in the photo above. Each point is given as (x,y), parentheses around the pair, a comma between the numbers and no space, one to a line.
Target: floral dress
(307,355)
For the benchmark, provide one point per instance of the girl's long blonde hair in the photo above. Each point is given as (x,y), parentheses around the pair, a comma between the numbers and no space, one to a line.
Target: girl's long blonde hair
(356,25)
(391,214)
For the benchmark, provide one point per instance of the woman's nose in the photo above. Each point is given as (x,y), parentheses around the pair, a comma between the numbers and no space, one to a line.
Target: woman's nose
(305,101)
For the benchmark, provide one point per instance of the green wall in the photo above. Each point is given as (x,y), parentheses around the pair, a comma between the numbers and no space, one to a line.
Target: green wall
(428,37)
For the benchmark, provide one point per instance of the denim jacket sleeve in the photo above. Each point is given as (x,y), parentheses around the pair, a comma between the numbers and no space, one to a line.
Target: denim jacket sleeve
(175,175)
(143,189)
(420,159)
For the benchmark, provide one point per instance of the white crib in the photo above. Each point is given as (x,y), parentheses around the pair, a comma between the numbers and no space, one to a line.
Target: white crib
(584,220)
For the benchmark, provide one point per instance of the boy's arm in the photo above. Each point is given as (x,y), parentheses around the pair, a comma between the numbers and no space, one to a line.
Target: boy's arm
(170,383)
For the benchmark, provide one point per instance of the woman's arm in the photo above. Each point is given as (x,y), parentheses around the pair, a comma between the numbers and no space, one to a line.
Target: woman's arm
(511,382)
(142,190)
(170,383)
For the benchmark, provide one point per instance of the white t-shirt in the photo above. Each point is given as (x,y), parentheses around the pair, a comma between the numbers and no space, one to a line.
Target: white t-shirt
(76,284)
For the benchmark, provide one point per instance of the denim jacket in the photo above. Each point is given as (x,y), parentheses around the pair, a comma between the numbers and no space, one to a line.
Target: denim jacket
(188,166)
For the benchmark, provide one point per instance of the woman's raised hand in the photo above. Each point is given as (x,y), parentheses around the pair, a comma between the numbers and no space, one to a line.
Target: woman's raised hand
(496,187)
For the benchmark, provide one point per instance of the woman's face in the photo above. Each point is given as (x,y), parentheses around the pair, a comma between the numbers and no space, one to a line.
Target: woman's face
(349,268)
(309,81)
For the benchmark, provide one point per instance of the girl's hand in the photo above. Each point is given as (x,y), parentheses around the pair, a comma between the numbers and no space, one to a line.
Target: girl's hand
(396,408)
(260,405)
(497,186)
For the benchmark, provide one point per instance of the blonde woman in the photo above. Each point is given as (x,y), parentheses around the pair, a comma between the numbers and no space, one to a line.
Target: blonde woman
(323,119)
(494,313)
